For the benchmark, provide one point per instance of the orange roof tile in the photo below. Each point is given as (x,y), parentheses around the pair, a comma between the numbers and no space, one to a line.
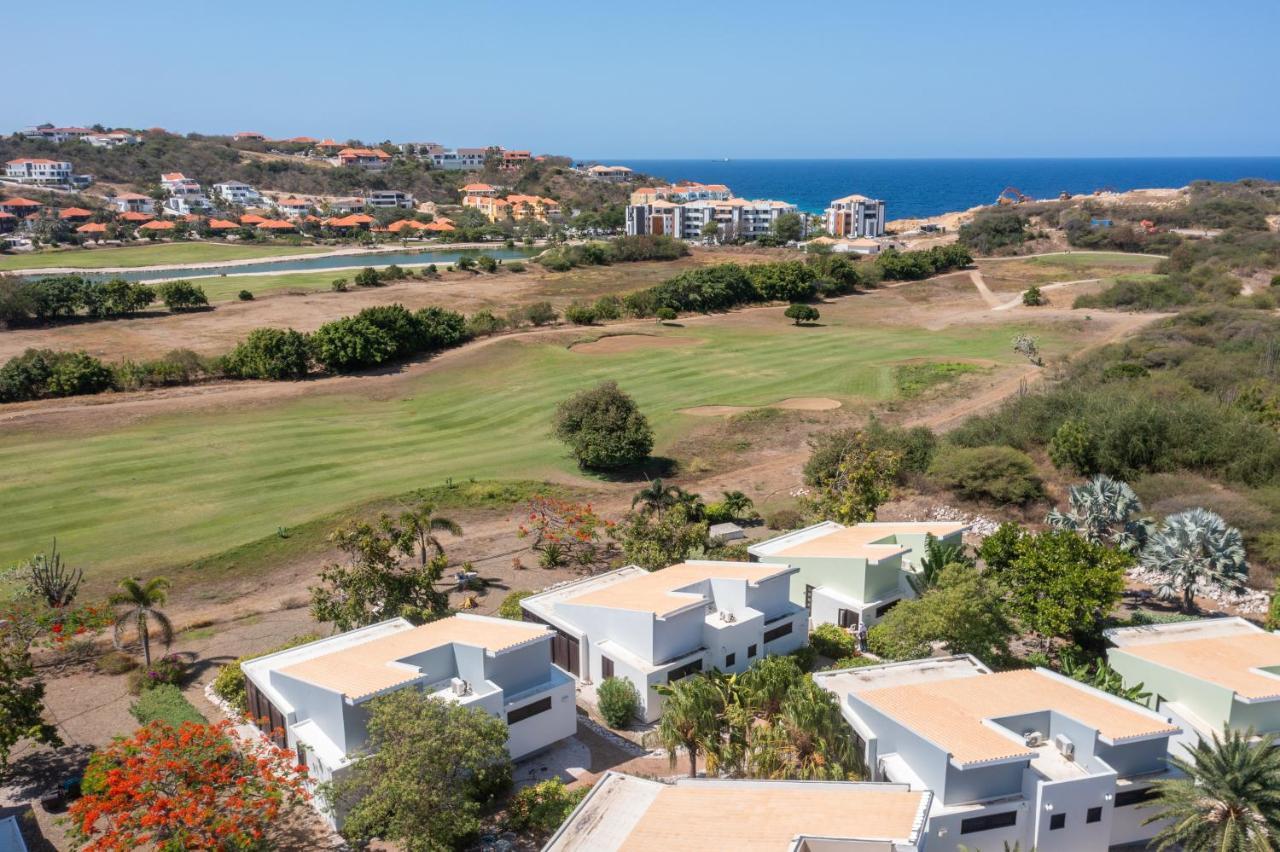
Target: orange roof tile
(74,213)
(157,226)
(252,219)
(222,224)
(136,217)
(4,215)
(276,225)
(35,161)
(20,202)
(92,228)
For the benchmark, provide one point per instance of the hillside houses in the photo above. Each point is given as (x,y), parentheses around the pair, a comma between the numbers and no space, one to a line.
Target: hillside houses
(369,159)
(514,207)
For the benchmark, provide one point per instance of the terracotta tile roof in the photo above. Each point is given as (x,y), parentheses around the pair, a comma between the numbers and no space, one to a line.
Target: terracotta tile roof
(1230,661)
(157,226)
(950,713)
(20,202)
(360,670)
(351,221)
(402,224)
(304,140)
(439,226)
(34,161)
(276,225)
(659,592)
(74,213)
(92,228)
(173,176)
(222,224)
(132,216)
(478,187)
(353,153)
(4,215)
(133,196)
(252,219)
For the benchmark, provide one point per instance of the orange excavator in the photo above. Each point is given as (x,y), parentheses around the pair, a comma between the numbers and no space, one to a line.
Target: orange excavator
(1012,195)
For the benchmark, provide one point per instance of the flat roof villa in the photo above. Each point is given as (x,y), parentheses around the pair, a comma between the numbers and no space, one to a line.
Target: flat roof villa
(656,627)
(623,813)
(1206,673)
(854,575)
(316,693)
(1025,756)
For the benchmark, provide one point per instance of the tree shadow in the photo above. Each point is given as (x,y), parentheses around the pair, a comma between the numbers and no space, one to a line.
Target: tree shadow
(38,772)
(654,467)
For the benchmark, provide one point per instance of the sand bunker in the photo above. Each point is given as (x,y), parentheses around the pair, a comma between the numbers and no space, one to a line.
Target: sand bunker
(793,403)
(616,344)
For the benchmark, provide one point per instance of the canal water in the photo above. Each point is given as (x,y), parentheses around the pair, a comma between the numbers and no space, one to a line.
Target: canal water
(377,260)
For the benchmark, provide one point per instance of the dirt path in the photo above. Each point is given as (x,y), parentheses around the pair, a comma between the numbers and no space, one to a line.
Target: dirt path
(992,300)
(1017,300)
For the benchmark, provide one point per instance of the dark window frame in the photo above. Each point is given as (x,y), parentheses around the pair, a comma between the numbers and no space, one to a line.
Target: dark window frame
(778,632)
(1057,822)
(730,659)
(988,822)
(1093,814)
(691,667)
(533,708)
(1135,797)
(752,650)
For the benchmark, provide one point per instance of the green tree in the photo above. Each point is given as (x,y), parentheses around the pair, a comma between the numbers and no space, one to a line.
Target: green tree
(711,229)
(654,542)
(419,530)
(270,353)
(1073,447)
(181,295)
(21,699)
(1195,547)
(618,701)
(603,428)
(801,314)
(1102,511)
(543,807)
(1032,297)
(1228,798)
(808,739)
(138,605)
(655,497)
(510,606)
(736,503)
(351,343)
(690,718)
(999,549)
(788,227)
(1062,585)
(427,770)
(936,557)
(964,611)
(851,490)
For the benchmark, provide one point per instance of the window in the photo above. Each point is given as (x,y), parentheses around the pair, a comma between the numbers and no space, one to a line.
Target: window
(808,598)
(847,618)
(684,671)
(606,668)
(972,825)
(1057,821)
(729,660)
(1135,797)
(881,610)
(777,632)
(542,705)
(1093,815)
(751,651)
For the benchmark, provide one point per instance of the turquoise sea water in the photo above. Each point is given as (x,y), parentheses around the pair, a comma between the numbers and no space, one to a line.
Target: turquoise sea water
(914,188)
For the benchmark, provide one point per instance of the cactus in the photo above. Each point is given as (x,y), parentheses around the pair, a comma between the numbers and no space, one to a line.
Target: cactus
(52,579)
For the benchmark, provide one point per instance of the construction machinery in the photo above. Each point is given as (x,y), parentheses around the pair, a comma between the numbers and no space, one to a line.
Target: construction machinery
(1012,195)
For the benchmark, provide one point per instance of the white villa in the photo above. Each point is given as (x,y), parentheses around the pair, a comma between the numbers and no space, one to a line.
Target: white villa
(1019,757)
(1206,673)
(623,812)
(186,196)
(133,202)
(655,627)
(235,192)
(312,698)
(855,216)
(389,198)
(39,171)
(854,575)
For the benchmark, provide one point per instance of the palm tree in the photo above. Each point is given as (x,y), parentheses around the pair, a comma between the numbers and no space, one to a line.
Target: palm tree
(807,740)
(694,509)
(419,526)
(1229,799)
(736,503)
(690,718)
(936,557)
(655,497)
(1195,547)
(141,602)
(1102,511)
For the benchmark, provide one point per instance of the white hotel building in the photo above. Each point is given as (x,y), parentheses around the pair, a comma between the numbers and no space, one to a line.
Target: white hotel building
(655,627)
(855,216)
(735,217)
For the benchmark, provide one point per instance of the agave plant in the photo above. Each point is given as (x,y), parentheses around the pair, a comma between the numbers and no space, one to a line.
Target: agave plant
(1195,547)
(1102,512)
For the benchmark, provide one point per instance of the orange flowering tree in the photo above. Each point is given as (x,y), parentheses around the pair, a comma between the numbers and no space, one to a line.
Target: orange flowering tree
(566,533)
(186,788)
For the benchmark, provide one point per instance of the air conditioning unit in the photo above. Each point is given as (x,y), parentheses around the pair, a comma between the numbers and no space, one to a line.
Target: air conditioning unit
(1033,739)
(1065,746)
(728,617)
(460,686)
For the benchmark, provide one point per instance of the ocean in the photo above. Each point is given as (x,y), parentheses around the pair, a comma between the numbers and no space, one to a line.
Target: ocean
(918,188)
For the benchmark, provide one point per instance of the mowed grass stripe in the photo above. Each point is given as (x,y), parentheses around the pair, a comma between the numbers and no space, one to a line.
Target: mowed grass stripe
(150,255)
(157,494)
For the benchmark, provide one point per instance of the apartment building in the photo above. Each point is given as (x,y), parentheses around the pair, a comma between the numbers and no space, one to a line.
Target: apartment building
(56,134)
(734,217)
(685,190)
(186,196)
(515,207)
(235,192)
(622,812)
(133,202)
(515,159)
(1023,757)
(855,216)
(1205,674)
(459,159)
(369,159)
(655,627)
(389,198)
(854,575)
(39,171)
(314,698)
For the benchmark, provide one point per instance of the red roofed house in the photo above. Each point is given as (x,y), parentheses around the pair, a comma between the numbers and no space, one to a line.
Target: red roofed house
(74,214)
(252,219)
(480,189)
(38,171)
(133,202)
(303,140)
(92,228)
(249,136)
(440,226)
(135,216)
(515,159)
(222,225)
(20,206)
(355,220)
(278,225)
(157,225)
(372,159)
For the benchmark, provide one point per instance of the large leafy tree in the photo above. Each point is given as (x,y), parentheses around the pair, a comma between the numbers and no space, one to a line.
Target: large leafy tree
(936,557)
(138,606)
(965,611)
(854,487)
(375,585)
(1103,511)
(603,428)
(656,542)
(428,768)
(1195,547)
(186,788)
(807,739)
(1228,799)
(21,698)
(1061,585)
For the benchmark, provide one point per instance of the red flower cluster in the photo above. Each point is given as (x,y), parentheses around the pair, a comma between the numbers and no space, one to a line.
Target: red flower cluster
(573,527)
(185,788)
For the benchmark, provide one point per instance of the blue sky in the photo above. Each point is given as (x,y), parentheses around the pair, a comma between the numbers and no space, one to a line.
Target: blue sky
(666,79)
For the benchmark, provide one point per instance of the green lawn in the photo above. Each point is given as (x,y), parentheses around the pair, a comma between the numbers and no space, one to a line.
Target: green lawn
(1095,258)
(149,255)
(156,494)
(227,288)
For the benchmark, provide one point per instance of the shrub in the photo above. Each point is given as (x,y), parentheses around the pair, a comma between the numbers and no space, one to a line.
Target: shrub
(76,373)
(116,663)
(483,323)
(853,663)
(914,445)
(603,428)
(832,642)
(784,519)
(1032,297)
(580,314)
(351,344)
(543,807)
(165,703)
(339,285)
(889,644)
(665,314)
(802,314)
(1273,613)
(515,266)
(245,296)
(511,608)
(181,295)
(608,308)
(1074,448)
(999,474)
(486,263)
(229,684)
(270,353)
(1275,280)
(618,701)
(40,373)
(368,277)
(540,313)
(170,669)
